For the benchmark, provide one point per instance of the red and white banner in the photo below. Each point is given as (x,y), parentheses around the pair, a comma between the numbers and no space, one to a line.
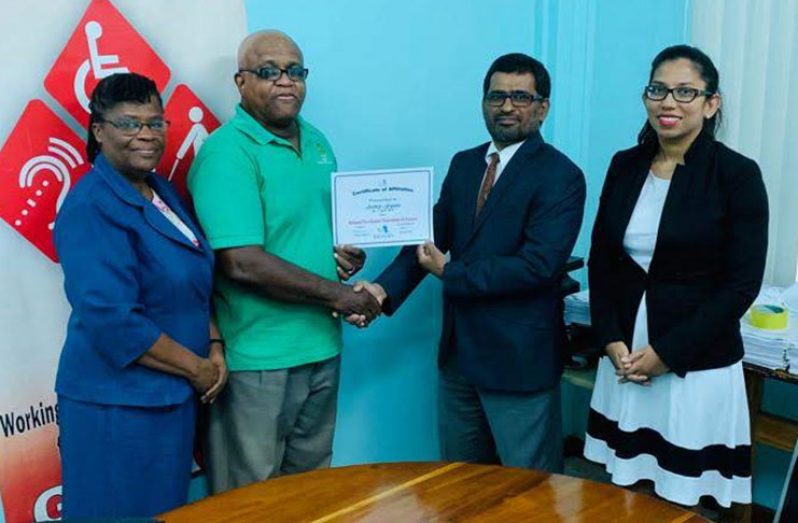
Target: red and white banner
(60,51)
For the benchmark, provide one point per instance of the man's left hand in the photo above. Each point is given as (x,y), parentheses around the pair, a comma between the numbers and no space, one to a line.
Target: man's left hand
(642,362)
(350,260)
(431,258)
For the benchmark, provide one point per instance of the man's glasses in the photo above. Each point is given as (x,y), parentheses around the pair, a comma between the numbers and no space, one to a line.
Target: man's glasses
(659,92)
(133,127)
(517,98)
(295,73)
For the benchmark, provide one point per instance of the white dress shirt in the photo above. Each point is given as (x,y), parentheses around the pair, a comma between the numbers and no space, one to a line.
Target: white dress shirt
(505,155)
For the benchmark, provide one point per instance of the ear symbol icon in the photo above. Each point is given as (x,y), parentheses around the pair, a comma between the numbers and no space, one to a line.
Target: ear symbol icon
(63,154)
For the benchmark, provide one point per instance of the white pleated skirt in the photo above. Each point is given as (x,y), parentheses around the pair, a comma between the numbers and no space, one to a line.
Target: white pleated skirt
(691,436)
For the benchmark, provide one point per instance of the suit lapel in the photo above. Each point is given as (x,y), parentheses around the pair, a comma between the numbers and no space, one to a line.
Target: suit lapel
(683,183)
(160,223)
(127,193)
(629,201)
(178,208)
(517,167)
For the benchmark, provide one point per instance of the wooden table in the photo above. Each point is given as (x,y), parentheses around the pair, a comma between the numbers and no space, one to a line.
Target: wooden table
(410,492)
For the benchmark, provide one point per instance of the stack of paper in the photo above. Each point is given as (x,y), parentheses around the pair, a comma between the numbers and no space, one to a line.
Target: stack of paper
(774,349)
(770,349)
(577,308)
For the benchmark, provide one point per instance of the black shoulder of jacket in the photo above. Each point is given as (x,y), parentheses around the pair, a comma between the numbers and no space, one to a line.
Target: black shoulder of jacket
(734,161)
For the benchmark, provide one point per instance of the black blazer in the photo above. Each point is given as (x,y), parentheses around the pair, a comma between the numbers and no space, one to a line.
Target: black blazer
(500,289)
(708,261)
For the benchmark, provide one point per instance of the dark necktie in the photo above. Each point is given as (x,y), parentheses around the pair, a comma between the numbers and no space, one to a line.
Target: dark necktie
(487,182)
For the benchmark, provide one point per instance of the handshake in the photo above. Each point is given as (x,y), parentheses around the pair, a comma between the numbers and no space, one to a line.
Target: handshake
(360,304)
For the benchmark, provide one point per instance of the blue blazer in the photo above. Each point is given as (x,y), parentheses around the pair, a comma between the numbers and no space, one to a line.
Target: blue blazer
(129,276)
(500,289)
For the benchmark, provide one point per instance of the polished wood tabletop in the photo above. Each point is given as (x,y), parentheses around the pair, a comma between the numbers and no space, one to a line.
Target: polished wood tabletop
(410,492)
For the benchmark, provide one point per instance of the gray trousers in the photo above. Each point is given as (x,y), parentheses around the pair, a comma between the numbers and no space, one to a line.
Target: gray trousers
(491,427)
(269,423)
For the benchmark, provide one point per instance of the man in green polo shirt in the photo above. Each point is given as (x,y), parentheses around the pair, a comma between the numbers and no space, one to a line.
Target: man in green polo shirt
(261,189)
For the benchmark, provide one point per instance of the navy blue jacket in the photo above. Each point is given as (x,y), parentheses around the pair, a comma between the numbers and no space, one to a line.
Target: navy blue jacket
(129,275)
(500,288)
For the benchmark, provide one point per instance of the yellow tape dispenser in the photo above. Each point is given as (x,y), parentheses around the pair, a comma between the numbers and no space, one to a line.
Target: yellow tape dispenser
(768,317)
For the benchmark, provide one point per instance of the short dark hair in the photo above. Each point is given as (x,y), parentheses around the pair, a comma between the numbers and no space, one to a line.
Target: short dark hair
(707,71)
(520,63)
(114,89)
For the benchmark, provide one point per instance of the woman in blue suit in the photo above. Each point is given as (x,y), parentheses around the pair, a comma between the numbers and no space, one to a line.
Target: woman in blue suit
(140,343)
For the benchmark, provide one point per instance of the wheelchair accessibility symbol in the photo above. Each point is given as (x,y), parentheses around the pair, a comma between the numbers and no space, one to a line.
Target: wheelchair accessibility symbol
(100,66)
(102,43)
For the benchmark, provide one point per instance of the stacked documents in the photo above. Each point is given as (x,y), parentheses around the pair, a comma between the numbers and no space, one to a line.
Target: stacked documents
(766,348)
(577,308)
(774,349)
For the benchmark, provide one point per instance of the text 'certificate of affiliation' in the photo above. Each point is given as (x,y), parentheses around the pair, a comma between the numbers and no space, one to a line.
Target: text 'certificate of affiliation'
(382,208)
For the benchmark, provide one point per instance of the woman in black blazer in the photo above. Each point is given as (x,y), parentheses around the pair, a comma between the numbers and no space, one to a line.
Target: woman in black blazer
(677,257)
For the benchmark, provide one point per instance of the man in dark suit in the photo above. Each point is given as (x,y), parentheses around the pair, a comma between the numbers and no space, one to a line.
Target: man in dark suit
(509,213)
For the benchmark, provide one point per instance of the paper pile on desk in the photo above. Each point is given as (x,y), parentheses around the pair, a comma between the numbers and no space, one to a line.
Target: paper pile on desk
(770,349)
(577,308)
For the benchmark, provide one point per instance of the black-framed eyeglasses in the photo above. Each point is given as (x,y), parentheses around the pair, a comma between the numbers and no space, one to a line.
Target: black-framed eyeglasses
(132,127)
(295,73)
(517,98)
(681,94)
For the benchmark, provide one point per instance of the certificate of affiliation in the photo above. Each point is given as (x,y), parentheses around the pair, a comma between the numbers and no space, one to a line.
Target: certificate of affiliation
(382,208)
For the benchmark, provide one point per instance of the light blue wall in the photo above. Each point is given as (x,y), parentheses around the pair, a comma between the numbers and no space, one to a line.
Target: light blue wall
(396,84)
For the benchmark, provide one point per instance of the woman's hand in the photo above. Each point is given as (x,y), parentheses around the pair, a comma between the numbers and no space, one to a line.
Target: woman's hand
(205,375)
(216,357)
(616,350)
(642,362)
(619,354)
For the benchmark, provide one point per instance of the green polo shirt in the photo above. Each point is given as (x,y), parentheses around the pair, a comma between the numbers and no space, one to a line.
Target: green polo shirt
(251,187)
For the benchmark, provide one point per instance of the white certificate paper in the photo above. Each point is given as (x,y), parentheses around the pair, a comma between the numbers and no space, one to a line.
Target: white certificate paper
(382,208)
